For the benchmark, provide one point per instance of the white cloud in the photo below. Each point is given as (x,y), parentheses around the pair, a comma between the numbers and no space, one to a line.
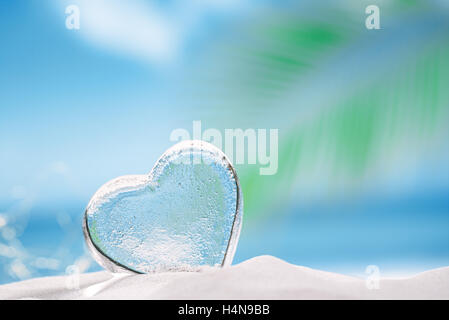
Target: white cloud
(131,27)
(142,29)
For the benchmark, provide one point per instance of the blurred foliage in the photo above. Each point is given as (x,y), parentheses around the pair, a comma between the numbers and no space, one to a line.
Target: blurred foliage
(409,106)
(340,147)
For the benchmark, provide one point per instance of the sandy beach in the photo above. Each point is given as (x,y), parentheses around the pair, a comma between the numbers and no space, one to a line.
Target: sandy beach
(263,277)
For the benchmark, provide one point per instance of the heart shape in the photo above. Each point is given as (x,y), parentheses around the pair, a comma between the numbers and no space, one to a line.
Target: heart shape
(185,214)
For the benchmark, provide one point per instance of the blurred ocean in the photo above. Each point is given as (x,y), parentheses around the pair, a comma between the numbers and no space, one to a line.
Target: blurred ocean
(400,236)
(363,119)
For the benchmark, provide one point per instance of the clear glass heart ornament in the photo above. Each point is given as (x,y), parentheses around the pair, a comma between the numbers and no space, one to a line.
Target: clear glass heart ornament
(185,214)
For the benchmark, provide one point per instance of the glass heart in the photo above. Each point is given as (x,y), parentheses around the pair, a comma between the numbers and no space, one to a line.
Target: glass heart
(185,214)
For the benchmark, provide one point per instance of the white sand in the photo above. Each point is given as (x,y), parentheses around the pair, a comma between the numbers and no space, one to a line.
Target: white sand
(262,277)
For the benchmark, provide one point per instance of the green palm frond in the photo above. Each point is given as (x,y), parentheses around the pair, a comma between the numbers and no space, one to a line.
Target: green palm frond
(347,143)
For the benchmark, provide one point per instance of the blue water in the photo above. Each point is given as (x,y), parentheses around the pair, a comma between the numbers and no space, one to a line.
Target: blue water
(399,235)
